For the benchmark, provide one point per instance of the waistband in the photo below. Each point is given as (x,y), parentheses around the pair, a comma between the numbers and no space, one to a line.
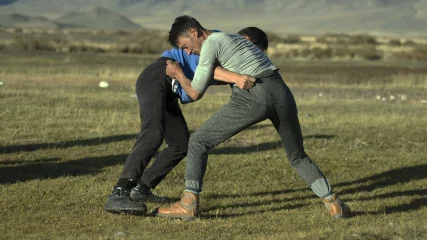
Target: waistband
(166,58)
(267,74)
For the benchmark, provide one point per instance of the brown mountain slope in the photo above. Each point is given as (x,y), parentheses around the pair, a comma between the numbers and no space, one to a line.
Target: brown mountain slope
(96,18)
(282,16)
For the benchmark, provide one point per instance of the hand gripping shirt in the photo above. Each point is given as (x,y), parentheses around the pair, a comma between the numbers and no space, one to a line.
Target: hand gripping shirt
(188,65)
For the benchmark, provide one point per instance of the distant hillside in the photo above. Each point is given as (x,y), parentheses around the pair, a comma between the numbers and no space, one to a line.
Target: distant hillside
(282,16)
(6,2)
(96,18)
(19,20)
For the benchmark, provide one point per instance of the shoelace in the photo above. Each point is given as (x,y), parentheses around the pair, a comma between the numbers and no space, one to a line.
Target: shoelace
(139,189)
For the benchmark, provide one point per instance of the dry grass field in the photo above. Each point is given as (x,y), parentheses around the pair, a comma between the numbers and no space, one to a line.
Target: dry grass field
(335,47)
(64,140)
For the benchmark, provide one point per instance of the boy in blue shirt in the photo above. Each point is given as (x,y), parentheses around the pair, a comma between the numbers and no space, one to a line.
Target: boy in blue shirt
(189,63)
(161,119)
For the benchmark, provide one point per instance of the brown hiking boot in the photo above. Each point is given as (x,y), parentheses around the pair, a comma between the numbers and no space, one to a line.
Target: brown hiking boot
(337,208)
(186,209)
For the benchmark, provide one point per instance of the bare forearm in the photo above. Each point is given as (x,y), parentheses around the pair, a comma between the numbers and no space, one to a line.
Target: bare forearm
(226,76)
(186,85)
(241,81)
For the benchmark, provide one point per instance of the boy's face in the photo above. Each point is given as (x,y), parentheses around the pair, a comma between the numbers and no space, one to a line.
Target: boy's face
(190,42)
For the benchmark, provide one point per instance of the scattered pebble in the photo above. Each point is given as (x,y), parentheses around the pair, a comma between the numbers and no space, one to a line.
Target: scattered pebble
(121,234)
(391,97)
(103,84)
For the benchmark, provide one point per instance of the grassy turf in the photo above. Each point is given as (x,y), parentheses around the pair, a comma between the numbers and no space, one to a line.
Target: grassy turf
(64,141)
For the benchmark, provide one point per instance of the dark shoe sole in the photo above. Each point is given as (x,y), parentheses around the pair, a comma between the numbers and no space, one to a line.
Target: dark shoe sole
(127,211)
(117,209)
(153,200)
(185,218)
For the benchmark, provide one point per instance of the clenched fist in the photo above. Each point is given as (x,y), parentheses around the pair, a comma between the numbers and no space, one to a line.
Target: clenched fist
(245,81)
(173,69)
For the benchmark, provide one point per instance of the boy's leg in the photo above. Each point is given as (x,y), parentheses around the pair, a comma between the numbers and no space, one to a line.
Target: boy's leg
(244,109)
(285,120)
(176,137)
(151,92)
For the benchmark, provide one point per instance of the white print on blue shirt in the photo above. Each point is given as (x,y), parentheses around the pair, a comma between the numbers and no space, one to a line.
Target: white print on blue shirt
(175,86)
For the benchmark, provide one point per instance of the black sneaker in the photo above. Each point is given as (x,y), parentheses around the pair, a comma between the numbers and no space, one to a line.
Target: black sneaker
(119,201)
(142,193)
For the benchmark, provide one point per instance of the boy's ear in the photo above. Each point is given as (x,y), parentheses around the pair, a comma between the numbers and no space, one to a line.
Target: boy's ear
(193,31)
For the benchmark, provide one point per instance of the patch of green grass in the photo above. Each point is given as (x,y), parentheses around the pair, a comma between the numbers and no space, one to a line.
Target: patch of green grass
(63,146)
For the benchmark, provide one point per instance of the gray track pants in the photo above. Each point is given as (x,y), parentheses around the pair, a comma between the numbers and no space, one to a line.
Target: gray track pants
(270,98)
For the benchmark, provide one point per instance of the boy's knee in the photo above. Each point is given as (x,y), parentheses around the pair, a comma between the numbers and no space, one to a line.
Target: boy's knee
(296,159)
(196,142)
(182,148)
(195,138)
(154,137)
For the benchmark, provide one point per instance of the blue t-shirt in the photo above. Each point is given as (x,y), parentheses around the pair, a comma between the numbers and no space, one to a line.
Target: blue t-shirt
(188,65)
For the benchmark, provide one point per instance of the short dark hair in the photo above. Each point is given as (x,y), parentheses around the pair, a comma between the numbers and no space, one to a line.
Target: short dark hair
(180,27)
(256,35)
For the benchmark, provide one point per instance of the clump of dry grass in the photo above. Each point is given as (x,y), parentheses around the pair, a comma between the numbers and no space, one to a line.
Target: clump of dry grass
(144,41)
(359,47)
(349,47)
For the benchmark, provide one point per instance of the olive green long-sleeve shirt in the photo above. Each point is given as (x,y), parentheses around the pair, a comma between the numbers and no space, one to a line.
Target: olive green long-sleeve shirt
(234,53)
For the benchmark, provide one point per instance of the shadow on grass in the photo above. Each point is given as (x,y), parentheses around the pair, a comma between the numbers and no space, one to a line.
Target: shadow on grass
(256,194)
(415,204)
(406,207)
(249,205)
(262,146)
(205,215)
(252,212)
(66,144)
(46,169)
(52,168)
(382,180)
(247,149)
(386,179)
(101,140)
(44,160)
(319,136)
(408,193)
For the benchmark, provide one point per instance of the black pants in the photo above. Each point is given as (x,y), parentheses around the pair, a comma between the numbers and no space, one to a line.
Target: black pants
(161,119)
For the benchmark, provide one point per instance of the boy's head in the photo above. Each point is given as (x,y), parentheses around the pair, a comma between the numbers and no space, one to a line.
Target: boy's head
(186,34)
(255,35)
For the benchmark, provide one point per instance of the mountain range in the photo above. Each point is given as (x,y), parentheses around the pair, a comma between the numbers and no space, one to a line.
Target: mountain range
(389,17)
